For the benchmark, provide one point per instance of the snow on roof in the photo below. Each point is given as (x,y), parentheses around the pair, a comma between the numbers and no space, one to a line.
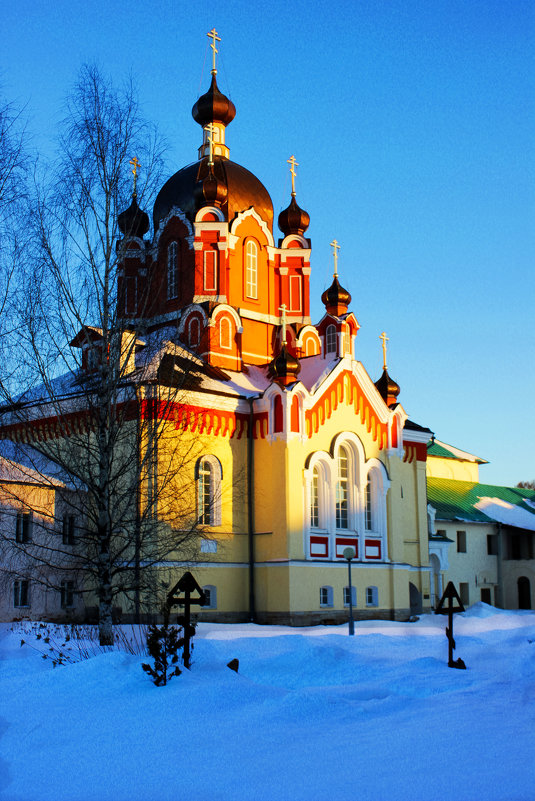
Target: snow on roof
(22,464)
(445,451)
(482,503)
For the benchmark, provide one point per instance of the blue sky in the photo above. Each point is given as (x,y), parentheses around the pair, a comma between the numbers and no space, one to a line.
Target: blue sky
(414,127)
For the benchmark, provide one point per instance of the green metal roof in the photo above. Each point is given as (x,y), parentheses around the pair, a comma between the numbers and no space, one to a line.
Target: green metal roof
(456,500)
(445,451)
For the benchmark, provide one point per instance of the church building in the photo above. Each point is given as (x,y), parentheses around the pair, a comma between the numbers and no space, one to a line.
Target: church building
(301,454)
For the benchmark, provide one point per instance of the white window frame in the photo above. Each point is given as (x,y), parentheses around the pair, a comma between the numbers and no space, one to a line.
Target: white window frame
(23,527)
(345,596)
(342,487)
(172,270)
(211,594)
(209,477)
(251,269)
(330,339)
(21,599)
(372,596)
(326,597)
(67,591)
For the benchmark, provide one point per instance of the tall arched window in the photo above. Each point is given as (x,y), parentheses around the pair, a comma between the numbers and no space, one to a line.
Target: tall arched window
(251,269)
(342,490)
(225,333)
(194,331)
(330,339)
(368,507)
(209,491)
(295,414)
(315,499)
(172,271)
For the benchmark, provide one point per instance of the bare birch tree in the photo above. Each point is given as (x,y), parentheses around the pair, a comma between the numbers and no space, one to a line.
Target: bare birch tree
(101,416)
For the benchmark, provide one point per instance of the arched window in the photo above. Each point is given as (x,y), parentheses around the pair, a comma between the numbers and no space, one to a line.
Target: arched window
(225,333)
(209,491)
(342,490)
(368,507)
(194,331)
(278,416)
(330,339)
(310,347)
(315,499)
(172,271)
(295,414)
(251,269)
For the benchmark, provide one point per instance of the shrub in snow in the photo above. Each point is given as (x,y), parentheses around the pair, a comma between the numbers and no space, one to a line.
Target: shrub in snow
(163,643)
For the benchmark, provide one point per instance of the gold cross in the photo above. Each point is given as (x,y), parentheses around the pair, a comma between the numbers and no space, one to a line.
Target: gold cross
(336,247)
(283,322)
(293,164)
(135,164)
(210,137)
(215,38)
(384,339)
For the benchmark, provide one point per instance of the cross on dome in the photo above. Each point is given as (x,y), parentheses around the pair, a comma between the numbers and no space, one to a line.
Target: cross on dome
(215,38)
(210,136)
(293,164)
(384,339)
(135,164)
(336,247)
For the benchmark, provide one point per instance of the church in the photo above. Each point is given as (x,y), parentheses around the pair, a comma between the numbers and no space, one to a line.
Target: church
(301,454)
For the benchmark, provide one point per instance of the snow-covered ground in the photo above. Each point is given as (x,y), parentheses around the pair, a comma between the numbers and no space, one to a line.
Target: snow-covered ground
(312,714)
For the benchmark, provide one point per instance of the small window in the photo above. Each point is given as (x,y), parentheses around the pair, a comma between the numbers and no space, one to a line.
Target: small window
(194,329)
(208,546)
(210,270)
(67,594)
(225,333)
(464,593)
(486,595)
(372,596)
(210,593)
(23,532)
(251,269)
(330,339)
(295,293)
(353,596)
(130,294)
(21,593)
(492,544)
(69,525)
(461,542)
(326,596)
(172,271)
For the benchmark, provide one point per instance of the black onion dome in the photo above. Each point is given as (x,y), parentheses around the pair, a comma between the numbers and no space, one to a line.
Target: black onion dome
(293,220)
(213,106)
(388,388)
(243,191)
(284,365)
(210,191)
(133,221)
(336,295)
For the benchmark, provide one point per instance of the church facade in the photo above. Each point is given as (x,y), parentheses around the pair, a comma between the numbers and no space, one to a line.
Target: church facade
(301,454)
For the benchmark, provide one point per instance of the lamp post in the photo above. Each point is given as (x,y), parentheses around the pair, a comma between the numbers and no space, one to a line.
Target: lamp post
(349,554)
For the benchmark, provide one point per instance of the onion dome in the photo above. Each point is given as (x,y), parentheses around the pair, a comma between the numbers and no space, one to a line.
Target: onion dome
(293,220)
(284,368)
(244,191)
(210,190)
(336,299)
(388,388)
(134,221)
(213,106)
